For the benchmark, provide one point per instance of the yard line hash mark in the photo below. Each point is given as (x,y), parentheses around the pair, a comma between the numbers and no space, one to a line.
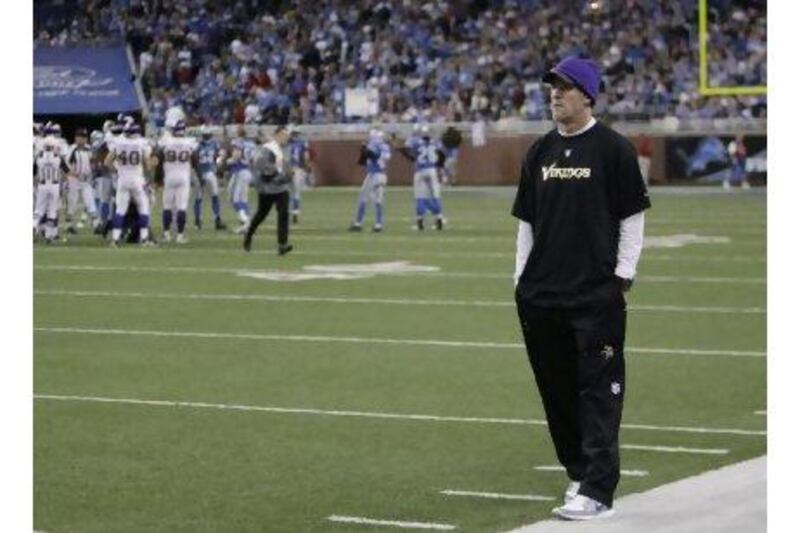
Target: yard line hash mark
(376,415)
(558,468)
(675,449)
(497,496)
(361,520)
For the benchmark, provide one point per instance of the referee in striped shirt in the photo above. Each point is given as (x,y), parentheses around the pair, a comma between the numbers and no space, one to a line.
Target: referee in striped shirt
(580,206)
(79,184)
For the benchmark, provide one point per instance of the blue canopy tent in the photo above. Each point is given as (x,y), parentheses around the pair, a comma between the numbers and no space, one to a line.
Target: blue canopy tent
(81,86)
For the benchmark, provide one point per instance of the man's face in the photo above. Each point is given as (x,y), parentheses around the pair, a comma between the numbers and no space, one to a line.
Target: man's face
(80,140)
(567,102)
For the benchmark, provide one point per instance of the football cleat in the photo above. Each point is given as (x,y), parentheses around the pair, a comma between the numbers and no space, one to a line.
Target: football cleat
(354,227)
(219,225)
(439,224)
(284,249)
(166,237)
(377,229)
(181,239)
(247,243)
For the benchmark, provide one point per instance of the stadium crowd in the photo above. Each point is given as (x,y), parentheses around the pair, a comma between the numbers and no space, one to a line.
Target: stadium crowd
(260,61)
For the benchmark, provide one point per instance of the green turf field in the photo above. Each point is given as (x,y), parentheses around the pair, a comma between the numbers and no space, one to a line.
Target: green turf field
(369,397)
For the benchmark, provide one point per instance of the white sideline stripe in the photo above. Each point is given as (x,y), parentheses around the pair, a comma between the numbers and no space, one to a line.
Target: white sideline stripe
(363,340)
(390,523)
(557,468)
(388,301)
(676,449)
(471,275)
(497,496)
(760,413)
(364,414)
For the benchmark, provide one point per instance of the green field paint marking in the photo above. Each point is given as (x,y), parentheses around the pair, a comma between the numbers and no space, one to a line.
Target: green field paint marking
(377,415)
(497,495)
(364,521)
(366,340)
(558,468)
(676,449)
(472,275)
(370,301)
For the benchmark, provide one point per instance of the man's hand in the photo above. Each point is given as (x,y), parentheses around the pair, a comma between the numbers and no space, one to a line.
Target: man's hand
(624,284)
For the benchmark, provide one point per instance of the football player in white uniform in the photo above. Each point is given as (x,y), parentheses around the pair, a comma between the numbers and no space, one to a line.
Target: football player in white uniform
(79,183)
(50,169)
(130,155)
(178,154)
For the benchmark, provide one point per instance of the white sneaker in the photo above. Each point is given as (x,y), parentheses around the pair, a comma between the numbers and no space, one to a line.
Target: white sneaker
(181,239)
(242,229)
(167,237)
(583,508)
(572,491)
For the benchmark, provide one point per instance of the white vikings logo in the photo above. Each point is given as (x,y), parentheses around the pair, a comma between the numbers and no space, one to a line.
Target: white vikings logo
(565,173)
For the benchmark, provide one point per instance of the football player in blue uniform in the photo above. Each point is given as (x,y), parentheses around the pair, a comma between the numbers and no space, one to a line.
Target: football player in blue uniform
(374,156)
(428,157)
(299,168)
(242,150)
(209,156)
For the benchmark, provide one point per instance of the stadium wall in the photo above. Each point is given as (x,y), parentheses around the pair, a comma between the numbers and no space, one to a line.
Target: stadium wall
(496,163)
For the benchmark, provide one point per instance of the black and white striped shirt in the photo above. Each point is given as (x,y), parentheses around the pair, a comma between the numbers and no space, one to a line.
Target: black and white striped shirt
(80,161)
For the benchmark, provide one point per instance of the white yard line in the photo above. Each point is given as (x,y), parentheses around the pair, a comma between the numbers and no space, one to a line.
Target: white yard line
(366,414)
(384,301)
(675,449)
(497,495)
(646,257)
(471,275)
(364,521)
(625,473)
(368,340)
(760,413)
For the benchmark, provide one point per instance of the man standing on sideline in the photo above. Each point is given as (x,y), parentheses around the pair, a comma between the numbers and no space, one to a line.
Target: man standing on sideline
(272,181)
(580,205)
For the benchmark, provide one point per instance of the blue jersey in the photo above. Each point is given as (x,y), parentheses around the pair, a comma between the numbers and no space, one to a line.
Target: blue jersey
(247,148)
(378,165)
(298,153)
(425,153)
(207,153)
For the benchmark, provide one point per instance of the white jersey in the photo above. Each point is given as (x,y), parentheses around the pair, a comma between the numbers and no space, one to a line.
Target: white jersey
(60,144)
(177,156)
(130,154)
(50,167)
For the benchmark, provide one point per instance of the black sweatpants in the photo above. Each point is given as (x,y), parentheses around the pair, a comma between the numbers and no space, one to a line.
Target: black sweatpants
(578,362)
(265,201)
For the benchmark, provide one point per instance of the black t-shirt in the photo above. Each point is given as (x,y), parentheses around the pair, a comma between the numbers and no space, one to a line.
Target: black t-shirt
(574,191)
